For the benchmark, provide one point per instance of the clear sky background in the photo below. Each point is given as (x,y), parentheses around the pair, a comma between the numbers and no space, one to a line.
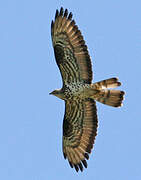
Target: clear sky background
(31,120)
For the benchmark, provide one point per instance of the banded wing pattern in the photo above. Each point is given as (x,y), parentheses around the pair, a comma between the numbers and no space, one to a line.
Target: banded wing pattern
(79,131)
(71,53)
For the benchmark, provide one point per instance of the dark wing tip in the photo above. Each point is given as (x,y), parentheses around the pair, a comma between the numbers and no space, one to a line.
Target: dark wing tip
(52,24)
(61,11)
(71,165)
(76,167)
(80,167)
(85,163)
(57,14)
(86,156)
(64,155)
(66,13)
(70,16)
(73,23)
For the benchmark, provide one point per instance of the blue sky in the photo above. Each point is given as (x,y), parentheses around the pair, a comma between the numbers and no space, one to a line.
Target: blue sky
(31,120)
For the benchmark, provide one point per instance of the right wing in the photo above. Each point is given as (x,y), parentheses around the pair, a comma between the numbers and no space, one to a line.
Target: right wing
(79,131)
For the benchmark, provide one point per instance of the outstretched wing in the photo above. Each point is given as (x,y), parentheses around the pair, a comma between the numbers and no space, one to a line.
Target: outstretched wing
(79,131)
(70,50)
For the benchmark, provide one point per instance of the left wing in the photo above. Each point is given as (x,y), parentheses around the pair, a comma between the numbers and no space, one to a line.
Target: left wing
(71,53)
(79,131)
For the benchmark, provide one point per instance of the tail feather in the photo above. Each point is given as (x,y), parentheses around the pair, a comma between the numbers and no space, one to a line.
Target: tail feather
(110,97)
(108,83)
(104,95)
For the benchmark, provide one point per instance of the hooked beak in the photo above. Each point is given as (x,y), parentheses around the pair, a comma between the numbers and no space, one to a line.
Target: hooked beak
(51,93)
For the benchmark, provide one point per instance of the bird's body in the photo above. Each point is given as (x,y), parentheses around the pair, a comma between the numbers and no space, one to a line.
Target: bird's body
(74,91)
(79,93)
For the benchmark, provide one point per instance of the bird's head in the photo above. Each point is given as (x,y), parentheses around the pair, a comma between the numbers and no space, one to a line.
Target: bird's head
(58,93)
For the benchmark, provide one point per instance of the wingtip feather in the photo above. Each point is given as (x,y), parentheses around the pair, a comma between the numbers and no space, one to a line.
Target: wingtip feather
(70,16)
(57,13)
(61,11)
(52,24)
(66,13)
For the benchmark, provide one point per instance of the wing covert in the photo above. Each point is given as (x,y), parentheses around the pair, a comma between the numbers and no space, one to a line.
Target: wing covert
(79,131)
(71,53)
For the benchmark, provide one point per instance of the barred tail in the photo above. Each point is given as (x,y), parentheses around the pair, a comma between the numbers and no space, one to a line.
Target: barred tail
(109,97)
(108,83)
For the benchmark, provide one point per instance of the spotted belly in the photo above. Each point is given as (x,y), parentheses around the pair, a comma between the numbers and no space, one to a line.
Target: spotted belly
(76,91)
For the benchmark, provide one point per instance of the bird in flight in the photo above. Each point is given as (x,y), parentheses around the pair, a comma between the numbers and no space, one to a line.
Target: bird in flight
(79,93)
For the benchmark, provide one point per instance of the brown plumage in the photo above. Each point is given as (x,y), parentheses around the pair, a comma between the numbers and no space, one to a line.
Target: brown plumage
(80,119)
